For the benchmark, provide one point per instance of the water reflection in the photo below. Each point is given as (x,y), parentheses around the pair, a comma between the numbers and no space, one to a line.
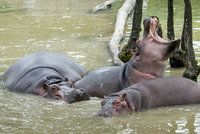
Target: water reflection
(64,26)
(197,123)
(181,126)
(126,131)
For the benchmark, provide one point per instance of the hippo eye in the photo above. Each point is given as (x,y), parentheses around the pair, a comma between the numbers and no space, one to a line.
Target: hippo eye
(116,103)
(45,87)
(54,89)
(45,90)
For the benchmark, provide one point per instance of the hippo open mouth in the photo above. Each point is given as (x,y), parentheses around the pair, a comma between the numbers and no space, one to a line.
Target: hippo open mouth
(152,28)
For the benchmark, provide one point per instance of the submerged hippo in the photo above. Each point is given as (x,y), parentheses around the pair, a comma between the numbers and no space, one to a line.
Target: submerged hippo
(147,63)
(149,94)
(46,74)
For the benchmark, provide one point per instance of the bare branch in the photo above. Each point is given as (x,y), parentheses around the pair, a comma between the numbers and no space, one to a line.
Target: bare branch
(118,34)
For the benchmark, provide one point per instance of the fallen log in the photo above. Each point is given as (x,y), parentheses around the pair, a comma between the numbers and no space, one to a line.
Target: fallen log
(103,6)
(118,34)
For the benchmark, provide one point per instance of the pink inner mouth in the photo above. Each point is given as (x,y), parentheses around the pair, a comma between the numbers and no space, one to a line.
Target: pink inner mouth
(153,27)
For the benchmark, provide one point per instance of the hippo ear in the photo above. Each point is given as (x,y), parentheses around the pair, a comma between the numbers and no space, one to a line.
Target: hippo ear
(129,104)
(137,51)
(66,79)
(173,45)
(71,84)
(45,87)
(170,47)
(124,97)
(176,42)
(155,17)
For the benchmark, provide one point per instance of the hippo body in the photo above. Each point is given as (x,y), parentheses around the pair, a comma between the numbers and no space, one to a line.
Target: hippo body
(166,91)
(159,92)
(31,72)
(95,82)
(147,63)
(107,80)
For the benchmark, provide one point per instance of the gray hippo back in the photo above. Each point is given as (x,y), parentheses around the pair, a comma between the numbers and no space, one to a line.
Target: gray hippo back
(30,72)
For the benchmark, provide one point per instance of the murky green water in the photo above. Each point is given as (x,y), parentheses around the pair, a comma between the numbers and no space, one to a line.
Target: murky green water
(67,26)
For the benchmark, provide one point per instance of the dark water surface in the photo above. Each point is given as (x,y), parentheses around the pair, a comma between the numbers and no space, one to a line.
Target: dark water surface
(68,26)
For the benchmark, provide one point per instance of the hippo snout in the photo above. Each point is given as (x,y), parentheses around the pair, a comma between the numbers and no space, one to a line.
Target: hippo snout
(114,105)
(107,108)
(64,92)
(105,114)
(75,95)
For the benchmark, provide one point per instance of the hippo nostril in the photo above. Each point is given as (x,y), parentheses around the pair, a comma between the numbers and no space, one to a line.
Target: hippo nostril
(58,97)
(107,115)
(101,114)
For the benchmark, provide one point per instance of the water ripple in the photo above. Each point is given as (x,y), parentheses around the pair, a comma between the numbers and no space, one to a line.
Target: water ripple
(181,126)
(197,123)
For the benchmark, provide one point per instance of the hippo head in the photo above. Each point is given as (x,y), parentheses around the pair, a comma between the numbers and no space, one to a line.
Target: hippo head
(63,92)
(152,39)
(114,105)
(153,50)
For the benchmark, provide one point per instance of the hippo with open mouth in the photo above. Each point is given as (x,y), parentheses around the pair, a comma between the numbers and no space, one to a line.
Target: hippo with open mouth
(159,92)
(46,74)
(148,62)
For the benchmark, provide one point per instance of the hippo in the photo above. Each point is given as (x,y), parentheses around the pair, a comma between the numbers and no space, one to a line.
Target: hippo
(148,94)
(47,74)
(147,63)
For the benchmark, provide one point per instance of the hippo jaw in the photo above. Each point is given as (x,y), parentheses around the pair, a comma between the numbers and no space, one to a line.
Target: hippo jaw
(153,51)
(151,29)
(114,105)
(155,42)
(64,93)
(151,24)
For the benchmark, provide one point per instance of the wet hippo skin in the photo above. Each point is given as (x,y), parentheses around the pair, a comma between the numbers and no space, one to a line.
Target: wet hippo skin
(46,74)
(147,63)
(159,92)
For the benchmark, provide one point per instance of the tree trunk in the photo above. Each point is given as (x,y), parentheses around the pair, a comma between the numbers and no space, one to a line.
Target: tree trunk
(126,52)
(192,69)
(170,21)
(118,34)
(178,57)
